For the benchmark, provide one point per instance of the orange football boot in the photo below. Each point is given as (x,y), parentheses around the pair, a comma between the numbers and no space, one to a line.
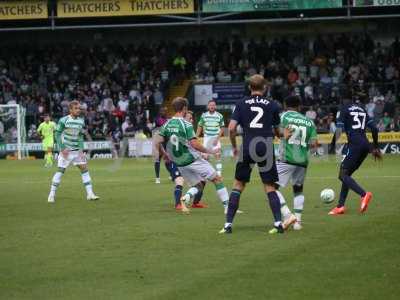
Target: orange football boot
(365,201)
(199,205)
(337,211)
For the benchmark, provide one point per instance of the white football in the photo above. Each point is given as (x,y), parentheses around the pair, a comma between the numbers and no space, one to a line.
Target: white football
(327,195)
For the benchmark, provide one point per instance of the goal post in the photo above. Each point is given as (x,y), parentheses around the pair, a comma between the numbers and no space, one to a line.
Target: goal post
(12,129)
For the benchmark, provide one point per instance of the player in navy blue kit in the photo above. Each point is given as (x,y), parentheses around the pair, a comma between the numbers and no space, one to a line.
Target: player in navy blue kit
(354,120)
(259,119)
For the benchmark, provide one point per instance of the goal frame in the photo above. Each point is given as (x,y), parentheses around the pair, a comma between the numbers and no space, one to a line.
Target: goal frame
(19,109)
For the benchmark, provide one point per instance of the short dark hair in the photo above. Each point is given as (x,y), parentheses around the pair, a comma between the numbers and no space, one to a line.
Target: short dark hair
(212,100)
(293,101)
(73,103)
(257,82)
(179,103)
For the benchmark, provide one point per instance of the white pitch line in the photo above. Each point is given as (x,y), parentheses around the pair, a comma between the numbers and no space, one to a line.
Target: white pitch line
(132,180)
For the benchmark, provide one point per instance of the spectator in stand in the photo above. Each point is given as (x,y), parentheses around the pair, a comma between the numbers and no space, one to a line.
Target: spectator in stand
(311,114)
(331,123)
(32,134)
(394,125)
(379,106)
(158,97)
(293,76)
(389,106)
(123,104)
(370,107)
(386,121)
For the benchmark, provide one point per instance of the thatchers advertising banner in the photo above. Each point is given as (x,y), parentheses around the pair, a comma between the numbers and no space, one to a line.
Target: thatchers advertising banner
(111,8)
(20,10)
(265,5)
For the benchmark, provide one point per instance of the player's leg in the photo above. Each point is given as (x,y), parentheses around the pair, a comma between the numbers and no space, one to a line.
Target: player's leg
(87,182)
(222,191)
(157,170)
(46,153)
(218,158)
(169,166)
(275,206)
(197,203)
(284,174)
(79,160)
(178,179)
(205,171)
(233,205)
(242,176)
(178,192)
(193,180)
(287,217)
(298,205)
(63,163)
(269,175)
(49,159)
(298,178)
(189,196)
(350,164)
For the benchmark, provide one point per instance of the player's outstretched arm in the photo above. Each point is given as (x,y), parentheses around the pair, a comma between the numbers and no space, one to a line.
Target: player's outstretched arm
(199,147)
(199,130)
(158,145)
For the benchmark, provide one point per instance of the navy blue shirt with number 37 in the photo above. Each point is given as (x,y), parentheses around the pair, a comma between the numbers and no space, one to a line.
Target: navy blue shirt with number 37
(354,120)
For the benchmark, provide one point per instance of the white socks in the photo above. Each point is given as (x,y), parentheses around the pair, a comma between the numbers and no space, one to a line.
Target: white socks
(191,193)
(55,182)
(284,208)
(222,193)
(87,181)
(298,204)
(218,166)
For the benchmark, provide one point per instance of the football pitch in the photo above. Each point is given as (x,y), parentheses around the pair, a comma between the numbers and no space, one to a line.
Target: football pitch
(133,245)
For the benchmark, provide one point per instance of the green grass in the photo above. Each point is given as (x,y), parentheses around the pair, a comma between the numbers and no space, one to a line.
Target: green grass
(132,245)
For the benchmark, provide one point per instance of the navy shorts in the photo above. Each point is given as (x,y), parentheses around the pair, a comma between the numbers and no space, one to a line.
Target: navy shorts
(173,171)
(267,168)
(354,157)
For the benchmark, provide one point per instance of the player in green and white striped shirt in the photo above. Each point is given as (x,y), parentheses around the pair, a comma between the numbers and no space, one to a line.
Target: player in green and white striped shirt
(212,124)
(69,139)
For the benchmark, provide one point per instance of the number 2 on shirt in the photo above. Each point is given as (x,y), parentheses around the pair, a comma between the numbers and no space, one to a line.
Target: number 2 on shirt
(260,112)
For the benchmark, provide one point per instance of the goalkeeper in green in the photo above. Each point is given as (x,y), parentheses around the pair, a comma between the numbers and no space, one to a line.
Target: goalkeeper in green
(69,139)
(46,132)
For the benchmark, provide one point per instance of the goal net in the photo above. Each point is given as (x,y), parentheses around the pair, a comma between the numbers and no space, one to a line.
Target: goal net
(12,131)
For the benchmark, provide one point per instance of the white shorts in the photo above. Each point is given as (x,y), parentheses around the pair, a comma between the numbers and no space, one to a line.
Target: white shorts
(208,142)
(76,157)
(290,173)
(197,171)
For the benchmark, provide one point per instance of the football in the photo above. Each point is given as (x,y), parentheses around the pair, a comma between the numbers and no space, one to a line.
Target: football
(327,195)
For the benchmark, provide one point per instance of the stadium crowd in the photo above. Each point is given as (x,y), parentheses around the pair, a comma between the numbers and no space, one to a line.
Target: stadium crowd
(121,86)
(321,72)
